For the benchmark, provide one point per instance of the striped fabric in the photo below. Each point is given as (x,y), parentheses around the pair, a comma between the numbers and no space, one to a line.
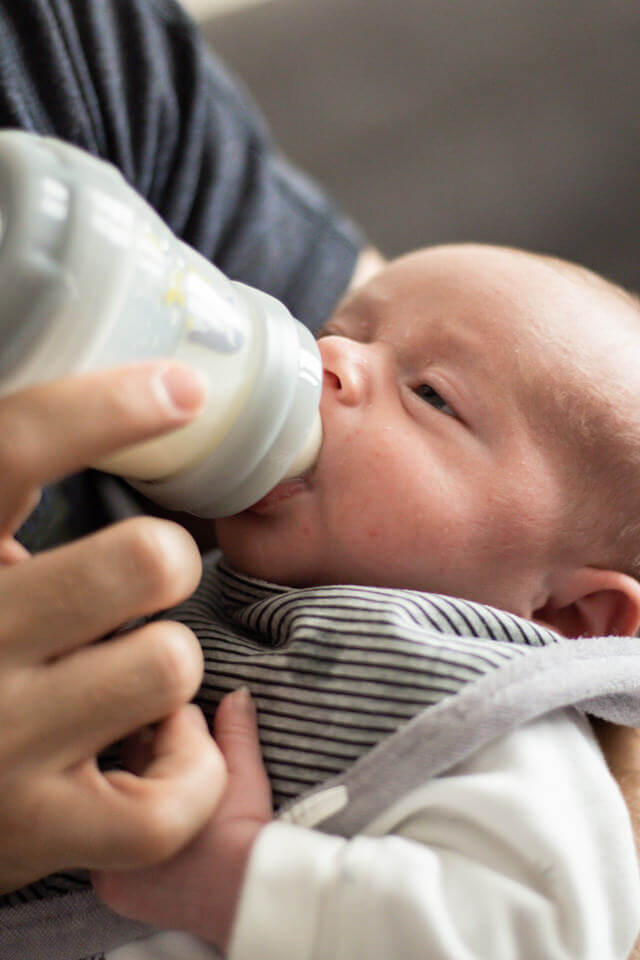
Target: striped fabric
(333,670)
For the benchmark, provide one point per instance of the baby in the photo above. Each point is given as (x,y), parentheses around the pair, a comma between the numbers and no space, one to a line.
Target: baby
(481,442)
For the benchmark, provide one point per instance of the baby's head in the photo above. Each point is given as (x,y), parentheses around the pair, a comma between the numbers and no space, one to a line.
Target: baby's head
(481,424)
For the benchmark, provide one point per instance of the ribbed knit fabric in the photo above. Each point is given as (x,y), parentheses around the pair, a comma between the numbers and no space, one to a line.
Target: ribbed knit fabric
(333,670)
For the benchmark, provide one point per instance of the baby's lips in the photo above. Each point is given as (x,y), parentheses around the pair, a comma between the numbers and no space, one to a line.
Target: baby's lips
(299,475)
(283,491)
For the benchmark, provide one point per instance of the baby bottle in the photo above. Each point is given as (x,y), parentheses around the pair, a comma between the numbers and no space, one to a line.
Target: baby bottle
(90,277)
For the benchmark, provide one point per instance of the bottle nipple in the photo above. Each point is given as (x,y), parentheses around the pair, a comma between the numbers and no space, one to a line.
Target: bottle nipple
(308,453)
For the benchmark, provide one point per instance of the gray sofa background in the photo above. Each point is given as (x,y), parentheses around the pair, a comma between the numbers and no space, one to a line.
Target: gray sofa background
(511,121)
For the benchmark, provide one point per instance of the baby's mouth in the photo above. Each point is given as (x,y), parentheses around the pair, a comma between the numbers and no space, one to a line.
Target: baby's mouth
(301,473)
(283,491)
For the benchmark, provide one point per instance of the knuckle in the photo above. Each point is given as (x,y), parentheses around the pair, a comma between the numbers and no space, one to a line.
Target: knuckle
(148,552)
(177,661)
(21,737)
(210,766)
(215,773)
(166,817)
(163,830)
(163,557)
(19,450)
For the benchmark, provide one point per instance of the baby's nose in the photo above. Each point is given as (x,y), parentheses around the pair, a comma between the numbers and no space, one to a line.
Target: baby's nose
(346,368)
(331,381)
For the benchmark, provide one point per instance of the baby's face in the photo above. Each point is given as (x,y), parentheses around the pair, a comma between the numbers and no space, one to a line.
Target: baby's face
(436,472)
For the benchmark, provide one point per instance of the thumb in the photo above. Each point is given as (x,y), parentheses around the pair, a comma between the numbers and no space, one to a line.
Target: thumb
(248,793)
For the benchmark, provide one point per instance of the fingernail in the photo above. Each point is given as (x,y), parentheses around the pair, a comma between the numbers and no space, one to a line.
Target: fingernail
(242,700)
(183,389)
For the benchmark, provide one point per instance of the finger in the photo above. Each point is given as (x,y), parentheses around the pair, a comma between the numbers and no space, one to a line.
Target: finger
(24,507)
(136,751)
(112,689)
(57,428)
(248,792)
(123,821)
(70,596)
(12,552)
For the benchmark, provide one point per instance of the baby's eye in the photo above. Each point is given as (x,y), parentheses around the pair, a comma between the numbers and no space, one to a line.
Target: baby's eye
(432,397)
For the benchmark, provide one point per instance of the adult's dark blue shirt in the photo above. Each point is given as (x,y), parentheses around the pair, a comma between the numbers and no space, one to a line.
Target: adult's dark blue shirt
(134,82)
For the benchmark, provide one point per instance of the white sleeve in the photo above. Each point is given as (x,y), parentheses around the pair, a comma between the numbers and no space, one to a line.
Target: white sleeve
(525,850)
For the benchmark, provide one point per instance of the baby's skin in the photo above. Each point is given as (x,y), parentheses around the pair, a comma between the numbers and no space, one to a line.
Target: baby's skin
(469,391)
(456,382)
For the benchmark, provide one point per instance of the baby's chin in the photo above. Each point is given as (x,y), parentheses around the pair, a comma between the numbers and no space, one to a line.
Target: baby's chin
(252,548)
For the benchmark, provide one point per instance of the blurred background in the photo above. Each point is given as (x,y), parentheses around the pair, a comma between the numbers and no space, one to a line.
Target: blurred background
(507,121)
(513,121)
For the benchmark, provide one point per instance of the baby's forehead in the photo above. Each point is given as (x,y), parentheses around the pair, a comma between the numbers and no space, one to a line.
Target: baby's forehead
(488,263)
(580,393)
(565,338)
(550,328)
(589,280)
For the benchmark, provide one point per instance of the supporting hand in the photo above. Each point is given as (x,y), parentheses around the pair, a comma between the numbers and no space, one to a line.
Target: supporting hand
(198,890)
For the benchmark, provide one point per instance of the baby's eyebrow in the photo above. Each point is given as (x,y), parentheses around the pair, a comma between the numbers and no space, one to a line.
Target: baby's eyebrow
(345,324)
(458,350)
(452,341)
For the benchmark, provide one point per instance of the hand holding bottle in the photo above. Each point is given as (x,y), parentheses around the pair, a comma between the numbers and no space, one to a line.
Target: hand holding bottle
(91,277)
(64,697)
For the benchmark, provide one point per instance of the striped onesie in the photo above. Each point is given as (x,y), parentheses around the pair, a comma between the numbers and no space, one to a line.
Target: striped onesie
(334,670)
(376,690)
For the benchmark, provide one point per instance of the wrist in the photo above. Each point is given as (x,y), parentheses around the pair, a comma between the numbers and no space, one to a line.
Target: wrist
(228,873)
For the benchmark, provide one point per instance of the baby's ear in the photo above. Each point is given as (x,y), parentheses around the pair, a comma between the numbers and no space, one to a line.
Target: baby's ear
(592,603)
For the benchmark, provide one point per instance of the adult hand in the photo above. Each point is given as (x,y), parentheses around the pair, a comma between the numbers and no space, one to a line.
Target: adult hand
(63,698)
(198,890)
